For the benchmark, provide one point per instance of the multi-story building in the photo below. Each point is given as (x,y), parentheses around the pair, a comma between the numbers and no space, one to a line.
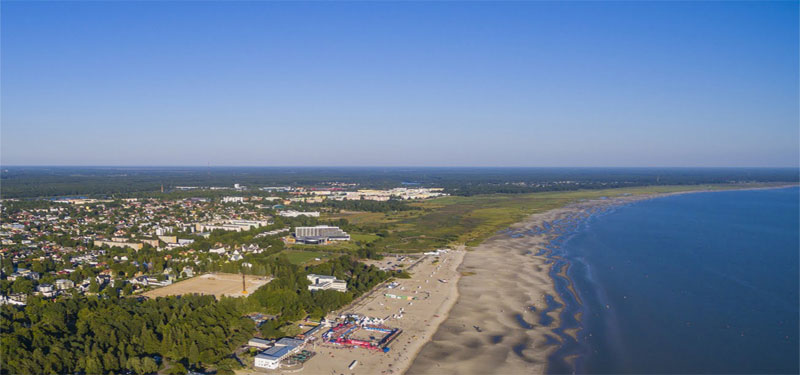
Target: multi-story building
(324,282)
(320,234)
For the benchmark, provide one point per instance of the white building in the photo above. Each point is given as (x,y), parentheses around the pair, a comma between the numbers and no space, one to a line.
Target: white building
(320,234)
(188,271)
(62,284)
(271,358)
(293,213)
(231,225)
(324,282)
(46,290)
(233,199)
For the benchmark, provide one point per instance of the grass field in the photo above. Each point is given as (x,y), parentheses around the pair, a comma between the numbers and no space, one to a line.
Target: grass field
(363,237)
(301,257)
(218,284)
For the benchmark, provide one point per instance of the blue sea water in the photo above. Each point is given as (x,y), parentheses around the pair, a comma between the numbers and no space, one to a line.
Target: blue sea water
(694,283)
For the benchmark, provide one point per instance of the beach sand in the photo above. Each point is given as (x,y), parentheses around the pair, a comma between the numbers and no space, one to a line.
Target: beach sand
(491,328)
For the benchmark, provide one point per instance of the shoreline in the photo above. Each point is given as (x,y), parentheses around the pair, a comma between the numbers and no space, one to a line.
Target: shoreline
(454,349)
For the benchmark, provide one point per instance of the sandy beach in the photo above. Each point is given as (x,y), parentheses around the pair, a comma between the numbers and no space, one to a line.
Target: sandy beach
(494,326)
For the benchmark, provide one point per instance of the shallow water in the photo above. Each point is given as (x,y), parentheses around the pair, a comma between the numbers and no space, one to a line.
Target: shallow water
(693,283)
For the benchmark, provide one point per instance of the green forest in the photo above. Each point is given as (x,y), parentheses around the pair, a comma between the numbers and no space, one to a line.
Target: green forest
(107,334)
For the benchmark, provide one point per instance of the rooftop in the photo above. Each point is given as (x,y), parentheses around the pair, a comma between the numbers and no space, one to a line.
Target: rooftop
(275,352)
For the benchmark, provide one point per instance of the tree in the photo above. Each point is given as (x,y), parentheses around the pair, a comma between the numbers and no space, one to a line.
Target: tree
(177,369)
(94,287)
(134,364)
(194,354)
(149,365)
(22,285)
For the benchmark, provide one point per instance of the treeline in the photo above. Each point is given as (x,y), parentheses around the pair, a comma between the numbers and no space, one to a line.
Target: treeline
(93,335)
(96,181)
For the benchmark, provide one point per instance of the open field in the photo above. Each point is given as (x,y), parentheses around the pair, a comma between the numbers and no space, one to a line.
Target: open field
(218,284)
(301,257)
(333,246)
(363,237)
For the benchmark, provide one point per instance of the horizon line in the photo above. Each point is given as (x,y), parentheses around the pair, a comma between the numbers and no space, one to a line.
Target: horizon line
(393,166)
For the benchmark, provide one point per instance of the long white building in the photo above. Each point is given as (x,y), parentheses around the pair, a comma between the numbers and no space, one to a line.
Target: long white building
(292,213)
(321,231)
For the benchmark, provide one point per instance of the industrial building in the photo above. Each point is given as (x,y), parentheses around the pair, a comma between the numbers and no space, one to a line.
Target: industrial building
(320,234)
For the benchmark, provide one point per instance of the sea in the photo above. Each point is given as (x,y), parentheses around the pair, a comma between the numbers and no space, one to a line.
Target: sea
(690,283)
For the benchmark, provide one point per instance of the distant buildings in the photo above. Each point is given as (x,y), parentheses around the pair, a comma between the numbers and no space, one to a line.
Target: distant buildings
(118,243)
(233,199)
(232,225)
(320,234)
(19,299)
(188,271)
(82,200)
(292,213)
(62,284)
(324,282)
(23,273)
(437,253)
(150,281)
(46,290)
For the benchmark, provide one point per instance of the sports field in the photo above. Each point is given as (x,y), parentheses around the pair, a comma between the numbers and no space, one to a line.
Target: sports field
(218,284)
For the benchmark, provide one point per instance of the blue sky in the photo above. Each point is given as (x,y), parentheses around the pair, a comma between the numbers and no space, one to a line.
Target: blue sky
(400,83)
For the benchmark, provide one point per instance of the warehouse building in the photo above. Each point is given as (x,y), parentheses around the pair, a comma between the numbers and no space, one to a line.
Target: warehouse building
(320,234)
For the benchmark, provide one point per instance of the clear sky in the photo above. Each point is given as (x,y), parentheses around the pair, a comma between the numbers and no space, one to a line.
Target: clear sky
(400,83)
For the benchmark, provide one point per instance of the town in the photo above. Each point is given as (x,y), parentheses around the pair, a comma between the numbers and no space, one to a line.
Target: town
(68,245)
(228,245)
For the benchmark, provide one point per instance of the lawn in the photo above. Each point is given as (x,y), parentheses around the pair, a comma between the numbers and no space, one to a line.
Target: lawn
(363,237)
(300,257)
